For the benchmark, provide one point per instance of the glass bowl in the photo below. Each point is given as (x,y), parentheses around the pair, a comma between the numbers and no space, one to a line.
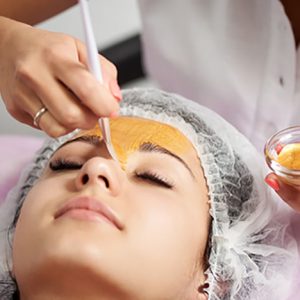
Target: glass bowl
(282,154)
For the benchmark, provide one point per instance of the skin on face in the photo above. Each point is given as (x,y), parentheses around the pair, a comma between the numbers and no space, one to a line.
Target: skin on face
(160,198)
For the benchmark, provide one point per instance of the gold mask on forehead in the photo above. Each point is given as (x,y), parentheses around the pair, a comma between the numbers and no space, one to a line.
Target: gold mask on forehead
(129,133)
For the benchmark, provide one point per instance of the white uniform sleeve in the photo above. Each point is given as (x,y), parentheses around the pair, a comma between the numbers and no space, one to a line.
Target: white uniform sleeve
(235,56)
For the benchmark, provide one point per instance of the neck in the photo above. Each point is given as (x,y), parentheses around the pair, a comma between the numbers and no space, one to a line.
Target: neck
(45,296)
(76,293)
(70,288)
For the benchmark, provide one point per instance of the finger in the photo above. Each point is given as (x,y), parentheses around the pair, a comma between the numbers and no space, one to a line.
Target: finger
(110,75)
(50,125)
(91,93)
(73,74)
(109,70)
(31,104)
(23,117)
(272,182)
(64,105)
(20,104)
(59,100)
(288,193)
(17,110)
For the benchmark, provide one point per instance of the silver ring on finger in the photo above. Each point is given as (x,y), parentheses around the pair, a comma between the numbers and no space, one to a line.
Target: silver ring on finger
(38,115)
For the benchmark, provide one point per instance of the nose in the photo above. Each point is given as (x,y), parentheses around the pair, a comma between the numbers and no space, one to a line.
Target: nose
(102,173)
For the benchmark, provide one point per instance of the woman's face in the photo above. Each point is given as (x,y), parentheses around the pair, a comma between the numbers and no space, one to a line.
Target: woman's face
(92,228)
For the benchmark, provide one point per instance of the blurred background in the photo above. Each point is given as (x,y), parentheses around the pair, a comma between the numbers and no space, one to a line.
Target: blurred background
(117,25)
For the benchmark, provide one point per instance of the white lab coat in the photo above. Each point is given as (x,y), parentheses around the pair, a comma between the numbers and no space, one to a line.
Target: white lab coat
(237,57)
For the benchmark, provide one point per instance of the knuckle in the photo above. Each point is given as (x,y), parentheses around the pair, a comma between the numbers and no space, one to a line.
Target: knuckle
(12,110)
(23,71)
(72,117)
(52,53)
(58,49)
(12,106)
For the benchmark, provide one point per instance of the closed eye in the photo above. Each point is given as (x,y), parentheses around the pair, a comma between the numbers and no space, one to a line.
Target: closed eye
(154,178)
(62,164)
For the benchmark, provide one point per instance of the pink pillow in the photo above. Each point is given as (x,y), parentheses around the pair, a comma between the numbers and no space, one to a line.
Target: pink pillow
(15,152)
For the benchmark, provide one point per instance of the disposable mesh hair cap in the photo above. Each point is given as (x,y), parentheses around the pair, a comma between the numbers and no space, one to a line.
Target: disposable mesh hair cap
(252,253)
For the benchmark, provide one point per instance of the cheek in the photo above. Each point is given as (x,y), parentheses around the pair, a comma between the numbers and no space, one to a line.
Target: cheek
(36,215)
(172,226)
(26,234)
(41,201)
(167,237)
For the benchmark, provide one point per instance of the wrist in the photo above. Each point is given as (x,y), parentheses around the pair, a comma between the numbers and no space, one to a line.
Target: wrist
(7,28)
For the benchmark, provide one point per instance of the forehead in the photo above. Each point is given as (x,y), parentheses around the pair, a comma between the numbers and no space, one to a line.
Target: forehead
(129,133)
(132,135)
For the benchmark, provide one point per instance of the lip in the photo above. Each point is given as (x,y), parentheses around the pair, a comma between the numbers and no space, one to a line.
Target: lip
(89,208)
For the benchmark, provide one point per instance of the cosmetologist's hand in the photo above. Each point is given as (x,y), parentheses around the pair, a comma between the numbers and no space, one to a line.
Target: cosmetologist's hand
(288,193)
(39,69)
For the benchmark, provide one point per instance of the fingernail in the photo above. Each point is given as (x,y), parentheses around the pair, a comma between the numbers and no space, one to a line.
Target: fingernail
(273,184)
(115,90)
(114,114)
(278,148)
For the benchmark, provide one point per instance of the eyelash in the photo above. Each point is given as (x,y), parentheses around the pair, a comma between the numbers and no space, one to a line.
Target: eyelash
(154,178)
(62,164)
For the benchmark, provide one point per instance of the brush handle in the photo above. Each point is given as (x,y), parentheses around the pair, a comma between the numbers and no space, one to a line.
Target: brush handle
(95,68)
(93,57)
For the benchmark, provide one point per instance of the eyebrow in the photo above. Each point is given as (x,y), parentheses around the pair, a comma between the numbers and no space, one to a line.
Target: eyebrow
(90,139)
(150,147)
(145,147)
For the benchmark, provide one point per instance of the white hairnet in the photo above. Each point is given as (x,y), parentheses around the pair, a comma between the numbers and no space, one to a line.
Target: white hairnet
(251,253)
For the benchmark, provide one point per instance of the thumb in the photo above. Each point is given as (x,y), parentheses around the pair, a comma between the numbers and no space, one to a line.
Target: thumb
(288,193)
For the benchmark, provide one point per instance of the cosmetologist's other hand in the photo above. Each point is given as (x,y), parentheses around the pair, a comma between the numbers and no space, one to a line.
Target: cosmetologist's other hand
(288,193)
